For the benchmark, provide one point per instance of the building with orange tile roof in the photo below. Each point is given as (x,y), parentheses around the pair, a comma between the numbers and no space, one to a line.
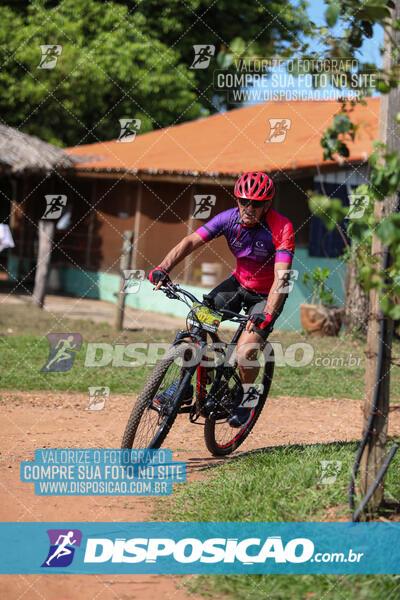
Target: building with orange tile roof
(149,183)
(230,143)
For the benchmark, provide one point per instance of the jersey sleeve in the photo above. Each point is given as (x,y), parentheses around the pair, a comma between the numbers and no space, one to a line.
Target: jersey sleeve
(284,246)
(213,228)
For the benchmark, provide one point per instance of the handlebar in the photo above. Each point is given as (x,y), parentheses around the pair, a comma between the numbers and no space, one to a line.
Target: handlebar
(173,291)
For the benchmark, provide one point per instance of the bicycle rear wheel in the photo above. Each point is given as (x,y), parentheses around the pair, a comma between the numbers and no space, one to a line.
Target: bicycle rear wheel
(148,425)
(220,438)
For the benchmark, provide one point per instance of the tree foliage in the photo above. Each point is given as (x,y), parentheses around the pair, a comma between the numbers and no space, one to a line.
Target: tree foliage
(316,282)
(125,60)
(384,181)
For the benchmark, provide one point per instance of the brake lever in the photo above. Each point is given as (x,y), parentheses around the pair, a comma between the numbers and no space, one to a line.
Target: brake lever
(169,291)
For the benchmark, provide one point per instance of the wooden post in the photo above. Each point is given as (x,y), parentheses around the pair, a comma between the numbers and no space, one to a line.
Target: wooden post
(188,259)
(375,450)
(46,236)
(138,212)
(21,230)
(91,224)
(125,263)
(11,223)
(13,203)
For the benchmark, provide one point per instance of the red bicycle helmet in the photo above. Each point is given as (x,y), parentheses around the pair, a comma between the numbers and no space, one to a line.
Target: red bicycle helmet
(254,186)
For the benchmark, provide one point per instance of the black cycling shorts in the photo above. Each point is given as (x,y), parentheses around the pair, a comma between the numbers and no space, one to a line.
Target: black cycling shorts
(232,296)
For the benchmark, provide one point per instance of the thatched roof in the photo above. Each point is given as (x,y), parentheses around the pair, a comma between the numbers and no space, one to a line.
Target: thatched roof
(21,153)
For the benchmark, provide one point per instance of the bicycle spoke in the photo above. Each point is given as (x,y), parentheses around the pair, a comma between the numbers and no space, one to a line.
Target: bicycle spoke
(225,435)
(153,419)
(222,439)
(148,426)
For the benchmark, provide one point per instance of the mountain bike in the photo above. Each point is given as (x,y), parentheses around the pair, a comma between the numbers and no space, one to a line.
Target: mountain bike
(214,369)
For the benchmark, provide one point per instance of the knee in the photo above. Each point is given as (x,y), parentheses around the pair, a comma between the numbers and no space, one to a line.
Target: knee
(247,352)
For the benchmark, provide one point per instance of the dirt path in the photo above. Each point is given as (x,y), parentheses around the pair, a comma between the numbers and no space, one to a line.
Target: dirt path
(98,310)
(59,420)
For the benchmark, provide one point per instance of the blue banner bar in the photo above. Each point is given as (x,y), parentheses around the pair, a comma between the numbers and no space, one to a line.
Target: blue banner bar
(158,548)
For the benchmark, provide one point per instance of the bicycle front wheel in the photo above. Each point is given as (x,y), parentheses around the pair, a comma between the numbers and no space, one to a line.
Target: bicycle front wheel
(148,424)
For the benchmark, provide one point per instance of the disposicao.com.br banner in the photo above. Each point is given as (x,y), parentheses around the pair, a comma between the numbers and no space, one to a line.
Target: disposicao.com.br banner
(158,548)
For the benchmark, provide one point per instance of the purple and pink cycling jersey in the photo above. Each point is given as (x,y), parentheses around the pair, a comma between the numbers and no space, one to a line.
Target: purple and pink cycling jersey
(257,248)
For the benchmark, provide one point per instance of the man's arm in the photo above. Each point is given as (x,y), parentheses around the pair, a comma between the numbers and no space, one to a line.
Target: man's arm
(178,253)
(284,245)
(277,294)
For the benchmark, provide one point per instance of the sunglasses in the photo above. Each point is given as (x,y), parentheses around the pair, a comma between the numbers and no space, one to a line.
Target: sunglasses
(254,203)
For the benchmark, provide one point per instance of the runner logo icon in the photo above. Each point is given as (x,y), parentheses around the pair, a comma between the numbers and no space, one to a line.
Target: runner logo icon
(132,280)
(202,55)
(62,547)
(55,204)
(50,54)
(129,128)
(97,397)
(62,351)
(278,130)
(251,394)
(203,205)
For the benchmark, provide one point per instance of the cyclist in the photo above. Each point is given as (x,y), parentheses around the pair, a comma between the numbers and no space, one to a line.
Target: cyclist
(262,241)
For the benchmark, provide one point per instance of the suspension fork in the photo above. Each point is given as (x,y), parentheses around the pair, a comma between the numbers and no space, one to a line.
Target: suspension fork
(219,370)
(197,337)
(201,379)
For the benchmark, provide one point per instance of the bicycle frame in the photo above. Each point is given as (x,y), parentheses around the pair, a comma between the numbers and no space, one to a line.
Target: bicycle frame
(199,336)
(216,398)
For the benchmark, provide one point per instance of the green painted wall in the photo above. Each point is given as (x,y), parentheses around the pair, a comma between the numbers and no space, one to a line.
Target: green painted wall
(12,267)
(104,286)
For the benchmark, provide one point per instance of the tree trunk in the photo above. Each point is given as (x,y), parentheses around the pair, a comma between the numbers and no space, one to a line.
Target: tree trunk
(356,302)
(125,264)
(375,451)
(46,235)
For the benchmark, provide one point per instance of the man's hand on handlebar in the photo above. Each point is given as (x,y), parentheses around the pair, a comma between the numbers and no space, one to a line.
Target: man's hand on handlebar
(261,320)
(159,277)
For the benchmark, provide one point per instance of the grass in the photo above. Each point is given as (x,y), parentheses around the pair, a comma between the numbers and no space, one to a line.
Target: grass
(297,587)
(280,485)
(24,351)
(24,356)
(276,484)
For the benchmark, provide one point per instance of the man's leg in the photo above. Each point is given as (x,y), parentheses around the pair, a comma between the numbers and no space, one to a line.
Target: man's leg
(250,343)
(225,295)
(248,348)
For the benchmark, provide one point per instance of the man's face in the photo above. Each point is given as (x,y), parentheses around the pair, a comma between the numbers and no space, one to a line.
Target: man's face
(250,214)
